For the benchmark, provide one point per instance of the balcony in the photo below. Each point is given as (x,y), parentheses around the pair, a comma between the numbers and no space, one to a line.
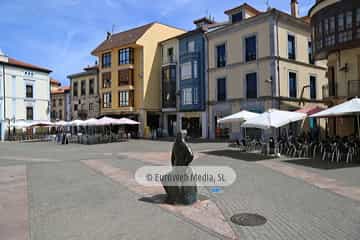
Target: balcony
(169,60)
(346,90)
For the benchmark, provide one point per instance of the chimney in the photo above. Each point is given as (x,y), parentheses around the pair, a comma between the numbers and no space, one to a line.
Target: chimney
(204,22)
(108,35)
(295,8)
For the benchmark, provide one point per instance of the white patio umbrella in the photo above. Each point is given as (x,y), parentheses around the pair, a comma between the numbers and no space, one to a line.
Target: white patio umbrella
(41,124)
(21,124)
(77,123)
(91,122)
(62,123)
(349,108)
(274,118)
(108,121)
(127,121)
(238,117)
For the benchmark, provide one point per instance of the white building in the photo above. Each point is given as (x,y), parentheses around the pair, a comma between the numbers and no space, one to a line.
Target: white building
(24,92)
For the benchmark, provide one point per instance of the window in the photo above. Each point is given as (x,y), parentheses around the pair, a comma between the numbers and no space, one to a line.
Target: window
(53,114)
(292,85)
(196,96)
(221,55)
(250,48)
(170,55)
(75,107)
(319,36)
(196,70)
(169,73)
(54,102)
(237,17)
(91,86)
(291,47)
(329,29)
(126,56)
(187,96)
(60,102)
(191,46)
(310,53)
(349,21)
(221,89)
(106,60)
(107,100)
(344,34)
(125,77)
(75,89)
(60,114)
(29,113)
(312,87)
(106,79)
(251,85)
(29,91)
(186,70)
(83,88)
(358,22)
(123,98)
(91,107)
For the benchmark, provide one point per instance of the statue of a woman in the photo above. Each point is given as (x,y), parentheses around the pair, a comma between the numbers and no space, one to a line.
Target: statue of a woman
(181,157)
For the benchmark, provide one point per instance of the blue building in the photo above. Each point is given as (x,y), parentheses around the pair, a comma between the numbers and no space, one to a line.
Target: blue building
(192,87)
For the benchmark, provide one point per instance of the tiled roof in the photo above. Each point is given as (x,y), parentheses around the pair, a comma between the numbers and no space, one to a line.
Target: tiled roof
(246,6)
(54,81)
(60,90)
(17,63)
(122,38)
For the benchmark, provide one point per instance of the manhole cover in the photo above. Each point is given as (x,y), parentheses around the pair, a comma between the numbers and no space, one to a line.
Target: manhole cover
(248,219)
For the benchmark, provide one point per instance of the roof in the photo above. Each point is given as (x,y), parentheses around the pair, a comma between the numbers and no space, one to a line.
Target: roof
(60,90)
(54,81)
(246,7)
(18,63)
(122,38)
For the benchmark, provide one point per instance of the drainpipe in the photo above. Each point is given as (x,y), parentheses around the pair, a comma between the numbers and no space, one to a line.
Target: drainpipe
(207,80)
(278,57)
(3,70)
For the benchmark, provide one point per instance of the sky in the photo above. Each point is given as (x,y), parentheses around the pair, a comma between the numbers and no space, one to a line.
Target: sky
(60,34)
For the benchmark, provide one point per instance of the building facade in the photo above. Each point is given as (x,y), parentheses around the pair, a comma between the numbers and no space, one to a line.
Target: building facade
(130,75)
(336,34)
(24,93)
(84,94)
(261,60)
(60,104)
(169,87)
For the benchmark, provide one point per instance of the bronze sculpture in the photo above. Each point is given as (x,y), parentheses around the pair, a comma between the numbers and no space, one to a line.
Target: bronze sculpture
(182,192)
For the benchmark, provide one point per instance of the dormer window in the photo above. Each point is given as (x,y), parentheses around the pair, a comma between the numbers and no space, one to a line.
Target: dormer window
(237,17)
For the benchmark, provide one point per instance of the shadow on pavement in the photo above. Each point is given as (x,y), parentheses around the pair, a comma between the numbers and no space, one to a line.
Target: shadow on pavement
(161,198)
(319,164)
(235,154)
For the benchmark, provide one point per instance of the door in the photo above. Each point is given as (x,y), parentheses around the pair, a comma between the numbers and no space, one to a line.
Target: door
(332,85)
(171,125)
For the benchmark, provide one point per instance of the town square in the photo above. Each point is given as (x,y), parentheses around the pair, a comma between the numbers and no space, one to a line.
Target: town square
(180,119)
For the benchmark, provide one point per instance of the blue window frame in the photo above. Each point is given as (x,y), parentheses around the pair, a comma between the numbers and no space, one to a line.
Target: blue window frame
(292,85)
(221,55)
(106,60)
(221,89)
(237,17)
(250,48)
(312,87)
(251,85)
(291,47)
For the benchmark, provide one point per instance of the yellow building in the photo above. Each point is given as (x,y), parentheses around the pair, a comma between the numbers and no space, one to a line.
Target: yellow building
(261,60)
(336,34)
(129,73)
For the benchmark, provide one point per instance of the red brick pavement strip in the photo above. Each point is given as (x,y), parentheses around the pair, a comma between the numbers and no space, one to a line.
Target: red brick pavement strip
(314,179)
(205,212)
(14,223)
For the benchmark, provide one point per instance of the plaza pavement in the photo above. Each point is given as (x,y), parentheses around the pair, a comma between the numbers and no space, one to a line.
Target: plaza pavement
(50,191)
